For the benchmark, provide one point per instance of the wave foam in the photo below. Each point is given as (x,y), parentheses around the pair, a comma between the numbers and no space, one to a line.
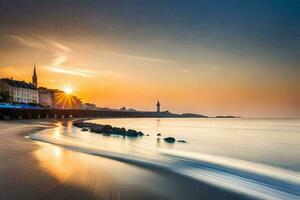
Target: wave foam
(249,178)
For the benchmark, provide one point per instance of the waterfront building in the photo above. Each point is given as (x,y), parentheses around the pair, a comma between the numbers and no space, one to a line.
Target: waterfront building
(61,100)
(19,91)
(57,99)
(46,97)
(77,103)
(89,106)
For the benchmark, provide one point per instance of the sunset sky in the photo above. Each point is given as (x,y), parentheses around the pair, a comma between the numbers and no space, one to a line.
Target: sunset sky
(204,56)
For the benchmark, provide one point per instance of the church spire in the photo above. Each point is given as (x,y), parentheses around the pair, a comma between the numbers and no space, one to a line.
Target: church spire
(34,77)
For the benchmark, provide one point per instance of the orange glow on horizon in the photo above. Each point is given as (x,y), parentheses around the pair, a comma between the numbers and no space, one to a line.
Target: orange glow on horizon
(113,80)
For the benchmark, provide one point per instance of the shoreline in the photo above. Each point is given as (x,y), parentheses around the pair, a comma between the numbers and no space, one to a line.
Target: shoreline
(179,187)
(22,113)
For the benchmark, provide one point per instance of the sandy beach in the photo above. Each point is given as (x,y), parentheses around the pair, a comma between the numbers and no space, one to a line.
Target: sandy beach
(36,170)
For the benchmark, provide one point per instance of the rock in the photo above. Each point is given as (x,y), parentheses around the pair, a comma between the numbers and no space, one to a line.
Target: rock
(107,128)
(182,141)
(158,134)
(97,129)
(140,133)
(118,131)
(169,139)
(132,133)
(78,124)
(147,134)
(123,129)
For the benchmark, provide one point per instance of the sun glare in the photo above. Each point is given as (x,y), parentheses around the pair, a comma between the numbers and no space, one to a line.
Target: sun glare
(68,90)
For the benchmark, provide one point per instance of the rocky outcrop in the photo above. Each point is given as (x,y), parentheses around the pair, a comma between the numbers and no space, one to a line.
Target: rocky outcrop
(107,129)
(169,139)
(134,133)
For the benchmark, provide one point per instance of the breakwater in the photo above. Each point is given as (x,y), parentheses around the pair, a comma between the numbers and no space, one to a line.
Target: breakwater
(8,113)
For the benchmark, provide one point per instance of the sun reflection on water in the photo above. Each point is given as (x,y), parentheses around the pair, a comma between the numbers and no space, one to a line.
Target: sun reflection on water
(78,170)
(57,151)
(57,133)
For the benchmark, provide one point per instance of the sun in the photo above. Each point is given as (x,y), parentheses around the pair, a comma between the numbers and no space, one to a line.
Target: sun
(68,90)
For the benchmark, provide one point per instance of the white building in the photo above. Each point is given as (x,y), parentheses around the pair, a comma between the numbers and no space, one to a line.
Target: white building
(19,91)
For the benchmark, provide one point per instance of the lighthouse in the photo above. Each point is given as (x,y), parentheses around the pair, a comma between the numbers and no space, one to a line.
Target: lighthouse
(158,107)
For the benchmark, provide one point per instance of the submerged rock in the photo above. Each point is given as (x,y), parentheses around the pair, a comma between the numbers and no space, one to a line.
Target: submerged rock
(169,139)
(85,129)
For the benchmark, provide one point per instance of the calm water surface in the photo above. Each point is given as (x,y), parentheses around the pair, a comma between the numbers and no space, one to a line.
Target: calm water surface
(270,141)
(255,157)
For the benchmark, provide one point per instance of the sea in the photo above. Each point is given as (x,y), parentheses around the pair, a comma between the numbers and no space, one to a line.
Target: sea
(259,158)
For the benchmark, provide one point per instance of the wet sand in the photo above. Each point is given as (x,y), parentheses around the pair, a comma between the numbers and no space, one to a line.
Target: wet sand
(36,170)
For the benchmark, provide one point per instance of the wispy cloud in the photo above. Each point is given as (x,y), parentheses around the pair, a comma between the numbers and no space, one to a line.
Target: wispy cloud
(151,59)
(60,53)
(59,59)
(75,72)
(39,42)
(59,50)
(60,46)
(78,71)
(27,41)
(186,70)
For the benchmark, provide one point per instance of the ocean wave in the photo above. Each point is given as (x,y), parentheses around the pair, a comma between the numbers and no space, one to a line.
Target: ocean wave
(249,178)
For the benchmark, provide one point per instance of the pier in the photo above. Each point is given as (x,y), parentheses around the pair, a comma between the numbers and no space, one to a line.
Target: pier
(8,113)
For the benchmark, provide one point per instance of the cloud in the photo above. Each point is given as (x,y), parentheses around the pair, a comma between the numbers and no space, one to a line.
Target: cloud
(26,41)
(44,43)
(151,59)
(138,57)
(185,70)
(59,50)
(93,71)
(59,59)
(59,46)
(78,71)
(75,72)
